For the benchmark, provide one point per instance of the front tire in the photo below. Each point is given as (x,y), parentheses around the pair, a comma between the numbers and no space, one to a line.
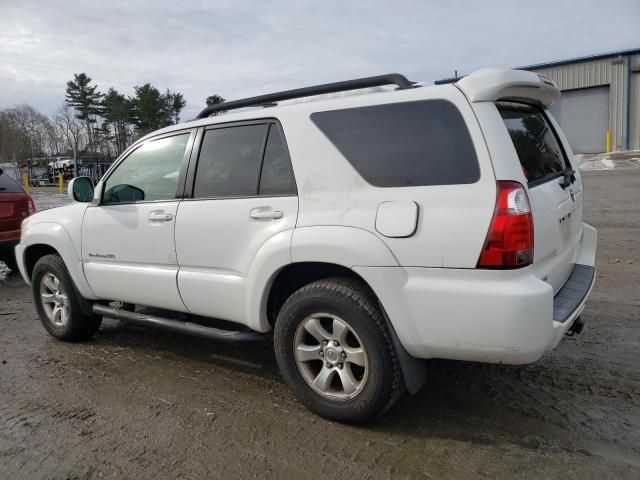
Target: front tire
(334,350)
(58,302)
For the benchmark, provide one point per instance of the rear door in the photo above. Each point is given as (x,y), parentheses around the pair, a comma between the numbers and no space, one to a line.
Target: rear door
(556,206)
(243,194)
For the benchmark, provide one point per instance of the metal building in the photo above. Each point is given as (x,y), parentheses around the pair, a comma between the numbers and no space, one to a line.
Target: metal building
(600,93)
(600,98)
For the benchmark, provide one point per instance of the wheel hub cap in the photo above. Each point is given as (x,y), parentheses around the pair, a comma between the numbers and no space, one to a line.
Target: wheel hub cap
(330,356)
(55,301)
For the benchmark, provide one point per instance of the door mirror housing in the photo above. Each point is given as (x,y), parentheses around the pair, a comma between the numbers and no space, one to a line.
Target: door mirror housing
(80,189)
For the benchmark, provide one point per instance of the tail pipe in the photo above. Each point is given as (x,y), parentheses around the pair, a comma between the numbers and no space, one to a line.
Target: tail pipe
(576,327)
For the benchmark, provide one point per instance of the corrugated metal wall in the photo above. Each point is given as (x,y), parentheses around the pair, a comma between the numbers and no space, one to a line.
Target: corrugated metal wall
(635,102)
(612,72)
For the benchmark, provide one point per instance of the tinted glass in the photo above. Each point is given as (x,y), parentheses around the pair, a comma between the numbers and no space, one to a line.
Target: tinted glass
(404,144)
(229,161)
(8,185)
(277,175)
(149,173)
(535,142)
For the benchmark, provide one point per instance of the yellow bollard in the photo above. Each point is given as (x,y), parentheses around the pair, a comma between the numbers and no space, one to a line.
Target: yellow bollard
(61,183)
(25,183)
(608,137)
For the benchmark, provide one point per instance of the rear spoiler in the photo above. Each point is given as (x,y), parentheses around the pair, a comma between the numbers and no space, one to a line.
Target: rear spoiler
(490,85)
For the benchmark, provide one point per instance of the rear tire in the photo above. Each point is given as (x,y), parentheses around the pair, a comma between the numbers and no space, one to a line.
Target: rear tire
(57,302)
(335,352)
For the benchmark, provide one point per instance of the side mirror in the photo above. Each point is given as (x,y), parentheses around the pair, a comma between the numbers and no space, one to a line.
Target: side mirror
(80,189)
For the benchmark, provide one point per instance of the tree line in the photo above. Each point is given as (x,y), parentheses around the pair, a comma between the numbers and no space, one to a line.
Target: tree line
(90,123)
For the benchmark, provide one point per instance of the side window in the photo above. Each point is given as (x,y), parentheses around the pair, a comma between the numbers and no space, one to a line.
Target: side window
(276,177)
(404,144)
(229,161)
(149,173)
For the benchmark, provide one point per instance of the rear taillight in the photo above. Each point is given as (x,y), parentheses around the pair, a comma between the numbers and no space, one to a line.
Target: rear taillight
(509,243)
(31,205)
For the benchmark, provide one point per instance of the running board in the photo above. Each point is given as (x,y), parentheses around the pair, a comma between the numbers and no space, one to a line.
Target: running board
(178,326)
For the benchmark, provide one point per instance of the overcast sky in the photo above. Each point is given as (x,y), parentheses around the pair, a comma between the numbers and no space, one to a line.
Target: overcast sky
(242,48)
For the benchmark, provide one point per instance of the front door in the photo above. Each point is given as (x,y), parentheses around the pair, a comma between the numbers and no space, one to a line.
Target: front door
(128,247)
(244,195)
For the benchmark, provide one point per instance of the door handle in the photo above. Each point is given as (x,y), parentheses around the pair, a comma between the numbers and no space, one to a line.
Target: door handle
(160,216)
(262,213)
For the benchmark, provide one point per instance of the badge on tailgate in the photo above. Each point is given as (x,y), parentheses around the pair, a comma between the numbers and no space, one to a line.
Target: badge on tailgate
(565,209)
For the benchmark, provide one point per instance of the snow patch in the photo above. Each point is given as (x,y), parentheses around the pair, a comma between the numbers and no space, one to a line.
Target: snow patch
(605,163)
(4,271)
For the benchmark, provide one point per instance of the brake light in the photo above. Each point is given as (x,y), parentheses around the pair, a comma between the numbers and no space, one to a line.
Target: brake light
(509,243)
(31,205)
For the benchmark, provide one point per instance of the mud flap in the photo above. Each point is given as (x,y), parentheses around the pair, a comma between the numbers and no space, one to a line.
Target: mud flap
(414,370)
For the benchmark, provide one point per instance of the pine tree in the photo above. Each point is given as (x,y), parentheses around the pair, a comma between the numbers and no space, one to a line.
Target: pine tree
(175,104)
(116,113)
(86,100)
(149,109)
(215,100)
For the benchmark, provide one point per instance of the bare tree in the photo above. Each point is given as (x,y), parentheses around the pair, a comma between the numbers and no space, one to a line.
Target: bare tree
(71,127)
(23,134)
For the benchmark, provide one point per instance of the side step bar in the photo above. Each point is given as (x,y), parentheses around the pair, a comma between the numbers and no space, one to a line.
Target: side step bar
(178,326)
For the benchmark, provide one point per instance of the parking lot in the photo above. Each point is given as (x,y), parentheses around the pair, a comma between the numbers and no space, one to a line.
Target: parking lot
(142,403)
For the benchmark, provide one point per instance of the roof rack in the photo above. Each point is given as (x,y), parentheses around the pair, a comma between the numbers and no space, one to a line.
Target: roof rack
(367,82)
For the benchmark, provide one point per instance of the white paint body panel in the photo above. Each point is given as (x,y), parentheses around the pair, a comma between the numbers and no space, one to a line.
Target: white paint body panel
(217,243)
(60,228)
(129,257)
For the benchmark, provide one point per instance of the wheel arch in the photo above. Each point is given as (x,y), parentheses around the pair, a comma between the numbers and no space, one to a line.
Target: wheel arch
(51,238)
(296,275)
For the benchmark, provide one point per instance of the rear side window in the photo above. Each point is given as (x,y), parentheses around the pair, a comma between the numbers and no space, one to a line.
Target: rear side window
(534,140)
(276,177)
(229,161)
(404,144)
(8,185)
(244,161)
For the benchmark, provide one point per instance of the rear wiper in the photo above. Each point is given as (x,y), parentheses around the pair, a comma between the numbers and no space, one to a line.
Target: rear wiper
(569,176)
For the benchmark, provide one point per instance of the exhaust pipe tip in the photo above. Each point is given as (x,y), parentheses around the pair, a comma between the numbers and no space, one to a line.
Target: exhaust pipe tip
(576,327)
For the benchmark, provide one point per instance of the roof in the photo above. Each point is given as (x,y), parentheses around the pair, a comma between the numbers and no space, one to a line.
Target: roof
(557,63)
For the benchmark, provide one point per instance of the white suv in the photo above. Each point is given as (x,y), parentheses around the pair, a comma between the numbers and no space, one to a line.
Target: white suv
(367,232)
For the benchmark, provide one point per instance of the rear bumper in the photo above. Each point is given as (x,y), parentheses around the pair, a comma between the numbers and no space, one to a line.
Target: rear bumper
(479,315)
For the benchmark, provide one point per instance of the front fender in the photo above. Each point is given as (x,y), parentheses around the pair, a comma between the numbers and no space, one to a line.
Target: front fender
(57,237)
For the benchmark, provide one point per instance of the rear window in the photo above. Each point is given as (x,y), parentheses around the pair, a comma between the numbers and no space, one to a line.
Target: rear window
(8,185)
(404,144)
(535,142)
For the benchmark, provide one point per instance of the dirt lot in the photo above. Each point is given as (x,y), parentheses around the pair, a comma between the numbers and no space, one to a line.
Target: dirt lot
(139,403)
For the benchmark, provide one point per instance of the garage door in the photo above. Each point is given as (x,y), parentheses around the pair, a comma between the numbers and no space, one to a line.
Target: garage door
(584,117)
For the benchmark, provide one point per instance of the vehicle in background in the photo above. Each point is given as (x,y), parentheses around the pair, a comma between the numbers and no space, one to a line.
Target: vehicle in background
(15,206)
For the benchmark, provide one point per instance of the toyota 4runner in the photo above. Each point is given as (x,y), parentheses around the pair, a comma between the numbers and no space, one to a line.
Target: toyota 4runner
(367,232)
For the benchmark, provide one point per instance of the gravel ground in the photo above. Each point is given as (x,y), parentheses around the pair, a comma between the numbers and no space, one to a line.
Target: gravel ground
(136,402)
